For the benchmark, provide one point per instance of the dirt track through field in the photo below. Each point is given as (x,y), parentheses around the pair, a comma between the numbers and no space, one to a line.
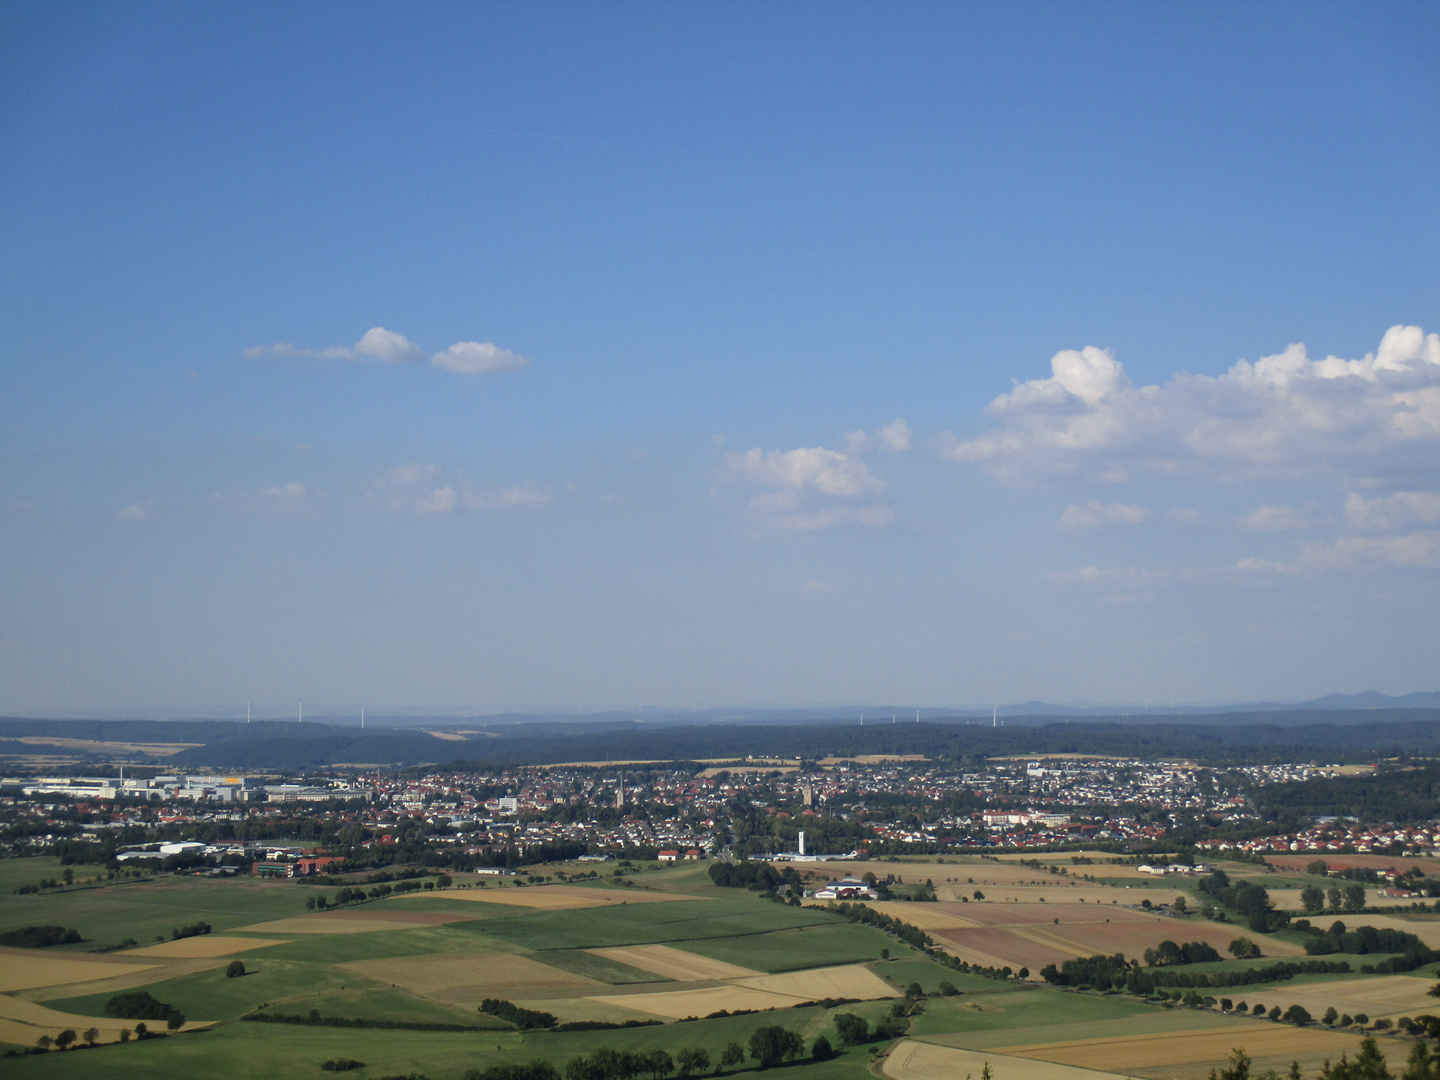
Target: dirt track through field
(674,963)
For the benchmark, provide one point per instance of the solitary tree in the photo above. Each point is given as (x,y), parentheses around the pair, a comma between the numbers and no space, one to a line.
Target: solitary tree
(235,970)
(732,1055)
(65,1038)
(1330,1017)
(821,1050)
(852,1029)
(694,1061)
(91,1034)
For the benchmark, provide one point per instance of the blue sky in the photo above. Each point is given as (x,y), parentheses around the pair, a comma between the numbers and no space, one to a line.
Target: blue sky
(564,356)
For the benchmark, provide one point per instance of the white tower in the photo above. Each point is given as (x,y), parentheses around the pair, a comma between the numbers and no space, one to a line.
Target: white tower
(802,841)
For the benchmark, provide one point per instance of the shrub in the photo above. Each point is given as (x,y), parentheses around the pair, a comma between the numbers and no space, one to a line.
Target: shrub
(821,1050)
(341,1065)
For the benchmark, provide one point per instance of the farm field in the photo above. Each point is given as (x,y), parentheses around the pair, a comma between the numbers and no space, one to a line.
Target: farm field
(1033,935)
(662,951)
(913,1060)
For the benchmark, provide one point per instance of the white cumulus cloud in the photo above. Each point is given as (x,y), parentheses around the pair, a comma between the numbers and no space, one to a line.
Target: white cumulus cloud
(1097,515)
(800,488)
(387,346)
(826,471)
(1284,415)
(390,347)
(477,358)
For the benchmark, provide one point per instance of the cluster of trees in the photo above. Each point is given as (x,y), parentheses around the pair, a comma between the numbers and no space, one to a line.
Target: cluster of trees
(1246,899)
(40,937)
(1363,939)
(314,1019)
(1168,954)
(863,913)
(195,929)
(1350,898)
(1277,972)
(854,1031)
(746,875)
(524,1019)
(138,1005)
(769,1046)
(1116,973)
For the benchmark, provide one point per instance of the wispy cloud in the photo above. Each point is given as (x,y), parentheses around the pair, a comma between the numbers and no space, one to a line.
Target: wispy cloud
(1275,519)
(1096,515)
(422,489)
(377,343)
(389,347)
(894,438)
(285,500)
(1389,512)
(139,511)
(1416,550)
(1284,415)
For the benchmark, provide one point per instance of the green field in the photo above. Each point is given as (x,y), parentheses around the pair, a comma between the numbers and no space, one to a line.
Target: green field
(413,971)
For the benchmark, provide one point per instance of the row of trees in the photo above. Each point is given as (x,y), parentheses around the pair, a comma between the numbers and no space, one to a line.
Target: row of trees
(770,1045)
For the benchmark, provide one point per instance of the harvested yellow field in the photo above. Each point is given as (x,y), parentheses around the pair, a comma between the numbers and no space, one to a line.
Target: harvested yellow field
(871,759)
(925,916)
(911,1060)
(467,976)
(22,969)
(22,1022)
(759,992)
(1382,995)
(1168,1049)
(845,981)
(554,897)
(678,1004)
(1426,929)
(206,946)
(674,963)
